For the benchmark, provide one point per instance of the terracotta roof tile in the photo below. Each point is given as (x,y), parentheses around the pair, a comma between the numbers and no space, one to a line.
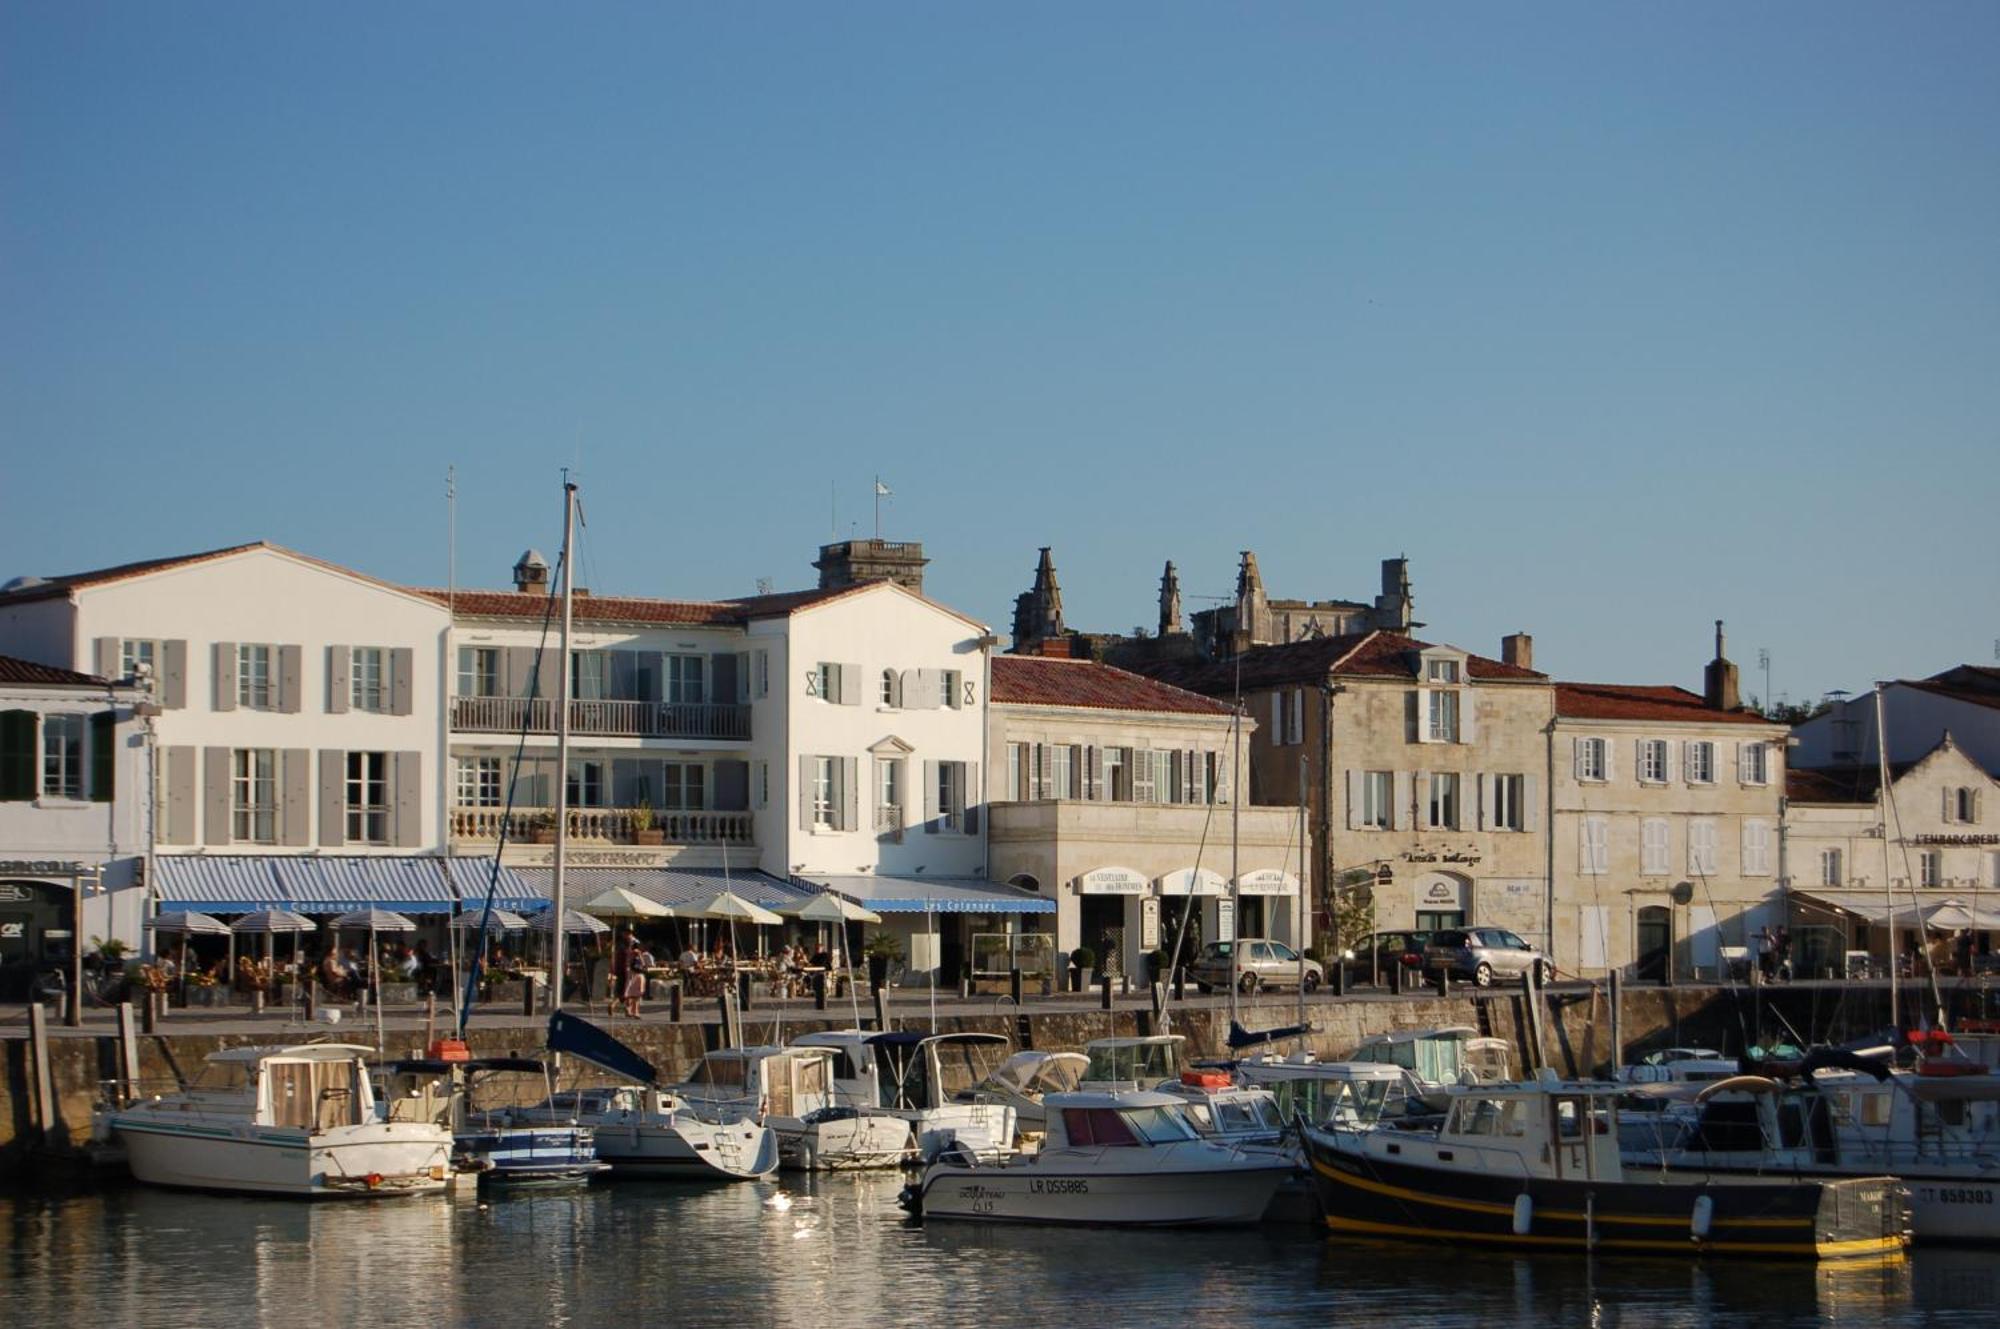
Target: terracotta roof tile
(16,670)
(1035,680)
(1356,655)
(1632,701)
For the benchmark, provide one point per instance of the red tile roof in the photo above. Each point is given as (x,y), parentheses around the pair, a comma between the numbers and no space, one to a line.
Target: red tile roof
(1035,680)
(16,670)
(1356,655)
(633,608)
(1633,701)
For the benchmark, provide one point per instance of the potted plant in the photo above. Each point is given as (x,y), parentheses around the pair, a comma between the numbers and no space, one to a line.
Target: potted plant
(880,949)
(1083,961)
(645,828)
(542,828)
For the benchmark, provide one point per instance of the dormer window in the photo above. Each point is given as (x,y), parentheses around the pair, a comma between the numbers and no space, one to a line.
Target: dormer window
(1440,714)
(1441,671)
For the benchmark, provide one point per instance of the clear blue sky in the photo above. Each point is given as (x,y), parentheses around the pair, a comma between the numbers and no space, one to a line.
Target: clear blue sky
(1617,319)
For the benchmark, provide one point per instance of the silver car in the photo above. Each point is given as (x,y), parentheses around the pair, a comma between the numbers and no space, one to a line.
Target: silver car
(1484,954)
(1264,964)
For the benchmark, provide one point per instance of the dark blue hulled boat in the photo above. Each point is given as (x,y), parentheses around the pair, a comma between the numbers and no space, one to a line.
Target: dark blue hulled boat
(478,1099)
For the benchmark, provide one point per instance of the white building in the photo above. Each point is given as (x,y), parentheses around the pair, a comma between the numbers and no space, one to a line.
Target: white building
(73,779)
(1964,701)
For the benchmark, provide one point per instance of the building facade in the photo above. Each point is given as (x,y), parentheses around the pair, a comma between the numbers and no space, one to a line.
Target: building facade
(1666,811)
(1114,795)
(1964,701)
(73,815)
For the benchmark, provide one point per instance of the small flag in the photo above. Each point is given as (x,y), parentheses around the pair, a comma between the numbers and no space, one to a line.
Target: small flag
(882,490)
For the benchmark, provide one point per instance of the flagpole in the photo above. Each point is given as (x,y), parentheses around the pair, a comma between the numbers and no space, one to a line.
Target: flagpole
(878,507)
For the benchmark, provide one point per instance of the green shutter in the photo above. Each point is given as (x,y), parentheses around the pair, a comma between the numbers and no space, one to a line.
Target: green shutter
(17,756)
(103,755)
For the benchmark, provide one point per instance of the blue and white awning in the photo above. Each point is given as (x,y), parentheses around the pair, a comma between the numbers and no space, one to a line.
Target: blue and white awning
(911,894)
(324,883)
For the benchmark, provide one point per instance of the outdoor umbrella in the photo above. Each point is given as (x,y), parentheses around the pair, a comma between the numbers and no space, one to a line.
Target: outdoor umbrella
(826,907)
(734,908)
(375,920)
(187,924)
(500,920)
(574,923)
(269,923)
(624,902)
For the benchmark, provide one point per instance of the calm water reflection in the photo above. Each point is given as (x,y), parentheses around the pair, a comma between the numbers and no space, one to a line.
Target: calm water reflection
(661,1254)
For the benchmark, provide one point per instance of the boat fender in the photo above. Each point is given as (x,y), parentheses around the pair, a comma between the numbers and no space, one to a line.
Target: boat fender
(1524,1213)
(1704,1216)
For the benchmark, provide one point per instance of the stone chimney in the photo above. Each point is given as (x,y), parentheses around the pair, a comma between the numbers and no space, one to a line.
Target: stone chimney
(1719,688)
(851,562)
(1518,649)
(531,573)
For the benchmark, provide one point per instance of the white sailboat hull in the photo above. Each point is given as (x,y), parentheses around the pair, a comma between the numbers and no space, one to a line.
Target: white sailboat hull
(844,1144)
(687,1148)
(369,1160)
(1198,1185)
(987,1129)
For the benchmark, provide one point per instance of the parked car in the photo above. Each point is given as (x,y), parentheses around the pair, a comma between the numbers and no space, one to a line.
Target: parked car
(1482,955)
(1264,964)
(1379,955)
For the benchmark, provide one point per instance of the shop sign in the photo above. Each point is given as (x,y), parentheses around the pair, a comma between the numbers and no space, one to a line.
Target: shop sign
(1149,923)
(44,867)
(1112,881)
(1267,881)
(1194,881)
(1225,920)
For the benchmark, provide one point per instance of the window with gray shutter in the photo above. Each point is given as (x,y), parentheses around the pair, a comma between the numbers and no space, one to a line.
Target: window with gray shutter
(172,685)
(291,679)
(182,782)
(332,796)
(722,678)
(968,798)
(215,787)
(850,793)
(850,684)
(402,680)
(339,682)
(225,676)
(295,805)
(107,658)
(930,798)
(805,793)
(18,759)
(409,778)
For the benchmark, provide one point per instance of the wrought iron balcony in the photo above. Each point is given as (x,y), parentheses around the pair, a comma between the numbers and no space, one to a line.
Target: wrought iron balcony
(604,719)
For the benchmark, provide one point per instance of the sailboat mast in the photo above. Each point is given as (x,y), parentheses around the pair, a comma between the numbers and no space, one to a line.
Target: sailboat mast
(1235,842)
(1299,900)
(1888,886)
(562,743)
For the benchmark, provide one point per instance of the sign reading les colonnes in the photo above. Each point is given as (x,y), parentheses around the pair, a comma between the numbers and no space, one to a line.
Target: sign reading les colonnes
(1113,881)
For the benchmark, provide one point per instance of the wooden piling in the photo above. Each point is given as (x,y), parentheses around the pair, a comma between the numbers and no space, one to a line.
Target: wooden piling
(1617,1026)
(882,1008)
(128,1052)
(43,1087)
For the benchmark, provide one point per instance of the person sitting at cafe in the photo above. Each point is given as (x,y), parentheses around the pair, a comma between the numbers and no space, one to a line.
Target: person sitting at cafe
(333,975)
(690,958)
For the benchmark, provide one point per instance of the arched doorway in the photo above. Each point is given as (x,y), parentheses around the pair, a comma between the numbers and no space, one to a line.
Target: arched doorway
(1653,943)
(1440,901)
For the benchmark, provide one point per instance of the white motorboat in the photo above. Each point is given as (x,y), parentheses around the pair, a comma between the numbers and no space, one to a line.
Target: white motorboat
(791,1091)
(1439,1058)
(1126,1158)
(1131,1063)
(475,1099)
(1937,1133)
(1024,1080)
(919,1078)
(298,1120)
(1329,1093)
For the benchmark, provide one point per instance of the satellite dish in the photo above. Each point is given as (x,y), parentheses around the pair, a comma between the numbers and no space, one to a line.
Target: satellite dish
(1683,892)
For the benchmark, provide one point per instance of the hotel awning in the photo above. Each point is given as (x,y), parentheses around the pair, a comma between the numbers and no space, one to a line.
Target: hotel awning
(322,883)
(911,894)
(1947,913)
(677,888)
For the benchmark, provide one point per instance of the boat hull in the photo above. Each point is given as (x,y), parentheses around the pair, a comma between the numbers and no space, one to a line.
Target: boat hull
(691,1151)
(844,1144)
(1962,1209)
(1364,1194)
(542,1158)
(1030,1193)
(372,1160)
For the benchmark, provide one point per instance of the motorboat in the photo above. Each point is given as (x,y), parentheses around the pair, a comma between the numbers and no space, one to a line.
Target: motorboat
(1132,1063)
(1660,1108)
(1938,1133)
(919,1078)
(1439,1058)
(475,1099)
(1131,1157)
(645,1131)
(791,1091)
(299,1120)
(1679,1065)
(1537,1165)
(1024,1080)
(1344,1093)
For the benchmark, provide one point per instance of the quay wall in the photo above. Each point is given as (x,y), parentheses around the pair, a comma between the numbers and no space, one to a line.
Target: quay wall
(1576,1038)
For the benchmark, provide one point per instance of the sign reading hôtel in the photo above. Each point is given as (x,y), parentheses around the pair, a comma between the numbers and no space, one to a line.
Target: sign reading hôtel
(1113,881)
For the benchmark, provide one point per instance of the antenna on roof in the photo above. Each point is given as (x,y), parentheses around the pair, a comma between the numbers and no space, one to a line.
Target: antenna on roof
(763,585)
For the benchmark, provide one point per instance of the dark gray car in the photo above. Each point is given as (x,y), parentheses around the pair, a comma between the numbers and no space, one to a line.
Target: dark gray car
(1482,955)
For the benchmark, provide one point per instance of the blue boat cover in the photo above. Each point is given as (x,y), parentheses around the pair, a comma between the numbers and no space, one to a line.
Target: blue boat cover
(580,1038)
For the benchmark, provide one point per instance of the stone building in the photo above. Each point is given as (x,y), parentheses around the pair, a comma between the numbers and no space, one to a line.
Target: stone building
(1858,865)
(1421,767)
(1112,794)
(1664,812)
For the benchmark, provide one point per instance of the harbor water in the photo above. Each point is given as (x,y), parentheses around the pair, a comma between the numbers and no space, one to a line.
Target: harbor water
(837,1251)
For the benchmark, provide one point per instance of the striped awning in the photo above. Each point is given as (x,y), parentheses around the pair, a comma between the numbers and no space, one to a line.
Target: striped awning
(934,895)
(677,888)
(324,883)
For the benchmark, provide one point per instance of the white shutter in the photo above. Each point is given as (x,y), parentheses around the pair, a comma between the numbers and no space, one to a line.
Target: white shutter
(1578,748)
(1423,791)
(1610,761)
(1743,763)
(1950,805)
(1424,734)
(1467,707)
(1585,835)
(805,793)
(1531,802)
(1399,803)
(1687,763)
(1354,796)
(1485,787)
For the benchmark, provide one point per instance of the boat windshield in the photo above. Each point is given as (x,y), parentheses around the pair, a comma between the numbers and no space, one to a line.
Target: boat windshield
(1127,1127)
(1334,1102)
(221,1077)
(1249,1115)
(1134,1063)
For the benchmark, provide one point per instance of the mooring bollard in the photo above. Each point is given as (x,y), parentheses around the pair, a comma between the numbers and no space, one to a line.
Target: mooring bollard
(1104,991)
(528,997)
(149,1014)
(1339,979)
(743,1001)
(882,1008)
(674,1002)
(1014,984)
(819,991)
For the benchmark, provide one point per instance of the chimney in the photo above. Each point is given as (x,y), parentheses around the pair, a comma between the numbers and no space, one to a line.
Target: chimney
(531,573)
(1719,679)
(1518,649)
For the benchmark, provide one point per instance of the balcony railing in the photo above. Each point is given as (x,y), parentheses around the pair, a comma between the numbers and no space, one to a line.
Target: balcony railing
(601,825)
(612,719)
(889,822)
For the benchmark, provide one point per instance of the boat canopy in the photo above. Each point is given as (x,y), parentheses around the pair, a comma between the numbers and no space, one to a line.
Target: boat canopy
(296,1052)
(1036,1072)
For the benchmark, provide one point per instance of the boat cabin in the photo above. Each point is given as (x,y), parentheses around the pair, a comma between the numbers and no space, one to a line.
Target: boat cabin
(311,1087)
(1032,1075)
(1550,1128)
(1688,1065)
(904,1070)
(1132,1063)
(1116,1121)
(1848,1118)
(1335,1093)
(768,1080)
(1456,1054)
